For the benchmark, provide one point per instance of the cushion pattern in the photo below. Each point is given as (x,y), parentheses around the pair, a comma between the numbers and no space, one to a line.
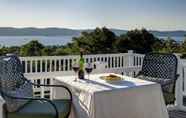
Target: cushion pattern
(160,68)
(14,104)
(11,73)
(12,82)
(166,84)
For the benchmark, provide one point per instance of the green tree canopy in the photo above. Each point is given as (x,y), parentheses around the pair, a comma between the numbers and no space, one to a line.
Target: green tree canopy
(33,48)
(99,41)
(140,41)
(170,46)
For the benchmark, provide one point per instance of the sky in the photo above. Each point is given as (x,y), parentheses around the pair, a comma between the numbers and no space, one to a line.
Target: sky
(88,14)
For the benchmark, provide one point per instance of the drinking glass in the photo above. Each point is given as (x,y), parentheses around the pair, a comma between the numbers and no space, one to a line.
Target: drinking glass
(88,68)
(75,67)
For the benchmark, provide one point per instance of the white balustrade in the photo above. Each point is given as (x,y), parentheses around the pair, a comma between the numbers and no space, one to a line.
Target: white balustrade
(43,69)
(40,68)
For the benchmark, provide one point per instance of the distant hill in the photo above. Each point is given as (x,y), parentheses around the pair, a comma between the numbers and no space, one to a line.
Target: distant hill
(30,31)
(8,31)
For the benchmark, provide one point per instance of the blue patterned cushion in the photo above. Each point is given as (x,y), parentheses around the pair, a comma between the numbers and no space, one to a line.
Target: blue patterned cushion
(13,83)
(154,79)
(15,104)
(11,75)
(166,84)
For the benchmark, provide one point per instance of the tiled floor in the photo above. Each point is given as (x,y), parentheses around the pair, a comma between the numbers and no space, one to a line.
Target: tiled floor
(177,114)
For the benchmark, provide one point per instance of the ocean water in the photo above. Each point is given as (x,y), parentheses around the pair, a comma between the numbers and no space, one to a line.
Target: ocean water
(47,40)
(177,38)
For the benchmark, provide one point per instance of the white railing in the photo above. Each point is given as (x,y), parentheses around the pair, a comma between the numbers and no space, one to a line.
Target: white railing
(43,69)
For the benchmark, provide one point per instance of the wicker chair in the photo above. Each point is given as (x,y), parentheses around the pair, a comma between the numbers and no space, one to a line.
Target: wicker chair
(18,94)
(161,68)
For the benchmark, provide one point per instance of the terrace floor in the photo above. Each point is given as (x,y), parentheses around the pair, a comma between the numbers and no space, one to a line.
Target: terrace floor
(177,114)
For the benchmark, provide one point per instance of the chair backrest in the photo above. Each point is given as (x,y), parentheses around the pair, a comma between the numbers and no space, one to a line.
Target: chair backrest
(12,82)
(160,65)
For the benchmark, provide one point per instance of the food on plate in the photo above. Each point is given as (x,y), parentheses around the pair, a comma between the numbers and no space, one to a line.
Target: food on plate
(111,77)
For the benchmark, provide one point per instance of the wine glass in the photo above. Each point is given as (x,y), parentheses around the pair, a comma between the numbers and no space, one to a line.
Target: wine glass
(75,67)
(88,68)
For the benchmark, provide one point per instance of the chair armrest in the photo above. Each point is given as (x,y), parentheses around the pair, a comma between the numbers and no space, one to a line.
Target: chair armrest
(29,98)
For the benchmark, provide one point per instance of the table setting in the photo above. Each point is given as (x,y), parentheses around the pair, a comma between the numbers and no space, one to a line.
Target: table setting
(110,95)
(125,98)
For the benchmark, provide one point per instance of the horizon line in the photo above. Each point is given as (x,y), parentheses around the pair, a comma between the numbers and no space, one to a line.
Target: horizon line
(38,27)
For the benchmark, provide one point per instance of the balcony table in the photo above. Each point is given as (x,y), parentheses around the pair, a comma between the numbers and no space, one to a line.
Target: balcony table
(129,98)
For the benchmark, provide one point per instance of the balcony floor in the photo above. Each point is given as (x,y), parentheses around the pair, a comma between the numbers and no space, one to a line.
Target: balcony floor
(177,114)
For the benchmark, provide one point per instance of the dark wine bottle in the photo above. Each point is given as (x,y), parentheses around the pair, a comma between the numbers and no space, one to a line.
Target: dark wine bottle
(81,66)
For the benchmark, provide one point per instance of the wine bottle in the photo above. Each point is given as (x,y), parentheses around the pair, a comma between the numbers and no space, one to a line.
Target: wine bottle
(81,66)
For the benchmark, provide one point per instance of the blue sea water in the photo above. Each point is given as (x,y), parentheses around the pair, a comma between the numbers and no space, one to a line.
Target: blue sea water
(177,38)
(47,40)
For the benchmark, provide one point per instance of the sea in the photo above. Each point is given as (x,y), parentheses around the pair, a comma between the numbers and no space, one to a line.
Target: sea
(48,40)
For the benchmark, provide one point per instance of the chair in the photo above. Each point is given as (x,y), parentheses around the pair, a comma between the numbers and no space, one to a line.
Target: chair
(161,68)
(17,92)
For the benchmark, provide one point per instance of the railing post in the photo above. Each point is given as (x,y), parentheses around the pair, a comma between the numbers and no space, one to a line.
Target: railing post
(26,69)
(31,66)
(131,58)
(42,88)
(179,85)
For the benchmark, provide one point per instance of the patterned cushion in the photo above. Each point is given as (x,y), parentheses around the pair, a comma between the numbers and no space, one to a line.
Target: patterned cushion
(166,84)
(15,104)
(12,82)
(160,68)
(161,81)
(11,75)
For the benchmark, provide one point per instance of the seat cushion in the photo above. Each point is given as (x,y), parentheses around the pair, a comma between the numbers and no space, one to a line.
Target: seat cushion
(166,84)
(12,82)
(161,81)
(23,91)
(40,109)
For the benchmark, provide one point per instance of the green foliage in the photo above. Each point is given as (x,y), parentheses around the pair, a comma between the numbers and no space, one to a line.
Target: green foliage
(6,50)
(33,48)
(140,41)
(170,46)
(46,51)
(98,41)
(102,40)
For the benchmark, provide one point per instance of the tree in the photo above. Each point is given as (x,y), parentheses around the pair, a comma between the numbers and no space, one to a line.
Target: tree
(170,46)
(99,41)
(46,51)
(33,48)
(140,41)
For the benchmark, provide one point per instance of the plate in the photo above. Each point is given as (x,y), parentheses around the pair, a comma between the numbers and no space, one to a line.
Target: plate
(111,78)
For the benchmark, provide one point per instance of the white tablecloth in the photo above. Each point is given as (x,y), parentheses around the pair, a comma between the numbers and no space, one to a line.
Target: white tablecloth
(131,98)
